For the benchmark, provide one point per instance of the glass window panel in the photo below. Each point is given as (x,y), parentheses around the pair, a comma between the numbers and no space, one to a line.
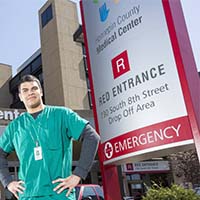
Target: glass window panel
(36,63)
(100,192)
(26,70)
(89,192)
(46,16)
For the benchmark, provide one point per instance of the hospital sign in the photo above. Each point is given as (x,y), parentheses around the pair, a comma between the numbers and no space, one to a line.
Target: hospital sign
(138,98)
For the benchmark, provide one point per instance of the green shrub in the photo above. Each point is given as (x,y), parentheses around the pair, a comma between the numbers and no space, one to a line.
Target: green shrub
(174,193)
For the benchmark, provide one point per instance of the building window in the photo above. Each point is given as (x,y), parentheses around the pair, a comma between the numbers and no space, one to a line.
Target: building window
(26,70)
(78,37)
(14,83)
(46,16)
(36,64)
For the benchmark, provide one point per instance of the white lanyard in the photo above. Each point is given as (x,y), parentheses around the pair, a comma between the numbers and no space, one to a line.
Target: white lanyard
(37,149)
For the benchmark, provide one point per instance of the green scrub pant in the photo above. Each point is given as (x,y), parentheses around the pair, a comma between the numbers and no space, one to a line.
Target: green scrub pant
(51,197)
(39,198)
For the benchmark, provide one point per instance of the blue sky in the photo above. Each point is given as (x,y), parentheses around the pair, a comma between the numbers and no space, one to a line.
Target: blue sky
(19,35)
(20,38)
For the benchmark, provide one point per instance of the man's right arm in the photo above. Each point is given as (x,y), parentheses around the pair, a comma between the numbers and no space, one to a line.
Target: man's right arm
(6,179)
(5,176)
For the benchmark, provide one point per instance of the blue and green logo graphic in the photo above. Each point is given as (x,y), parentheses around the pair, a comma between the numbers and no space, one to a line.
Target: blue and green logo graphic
(103,11)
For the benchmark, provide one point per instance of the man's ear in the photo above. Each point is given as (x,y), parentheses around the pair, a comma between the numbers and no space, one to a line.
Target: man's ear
(41,92)
(20,97)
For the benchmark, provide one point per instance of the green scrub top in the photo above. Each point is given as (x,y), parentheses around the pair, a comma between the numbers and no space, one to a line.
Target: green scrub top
(53,129)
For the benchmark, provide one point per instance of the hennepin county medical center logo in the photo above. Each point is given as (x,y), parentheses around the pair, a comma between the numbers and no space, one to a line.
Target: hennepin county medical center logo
(103,10)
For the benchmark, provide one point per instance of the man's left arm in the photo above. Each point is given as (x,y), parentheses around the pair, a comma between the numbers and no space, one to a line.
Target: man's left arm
(90,140)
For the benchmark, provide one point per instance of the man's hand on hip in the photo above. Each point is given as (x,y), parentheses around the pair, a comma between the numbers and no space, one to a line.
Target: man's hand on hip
(66,183)
(16,187)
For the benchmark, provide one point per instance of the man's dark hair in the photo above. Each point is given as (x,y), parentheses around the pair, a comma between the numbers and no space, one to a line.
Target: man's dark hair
(28,78)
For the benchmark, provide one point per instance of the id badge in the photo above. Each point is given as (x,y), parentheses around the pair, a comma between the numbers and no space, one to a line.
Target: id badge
(38,153)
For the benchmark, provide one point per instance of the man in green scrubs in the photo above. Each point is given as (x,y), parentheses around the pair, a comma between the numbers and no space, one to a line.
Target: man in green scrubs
(42,138)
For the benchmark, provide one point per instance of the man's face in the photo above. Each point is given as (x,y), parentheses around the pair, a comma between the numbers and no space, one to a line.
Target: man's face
(30,94)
